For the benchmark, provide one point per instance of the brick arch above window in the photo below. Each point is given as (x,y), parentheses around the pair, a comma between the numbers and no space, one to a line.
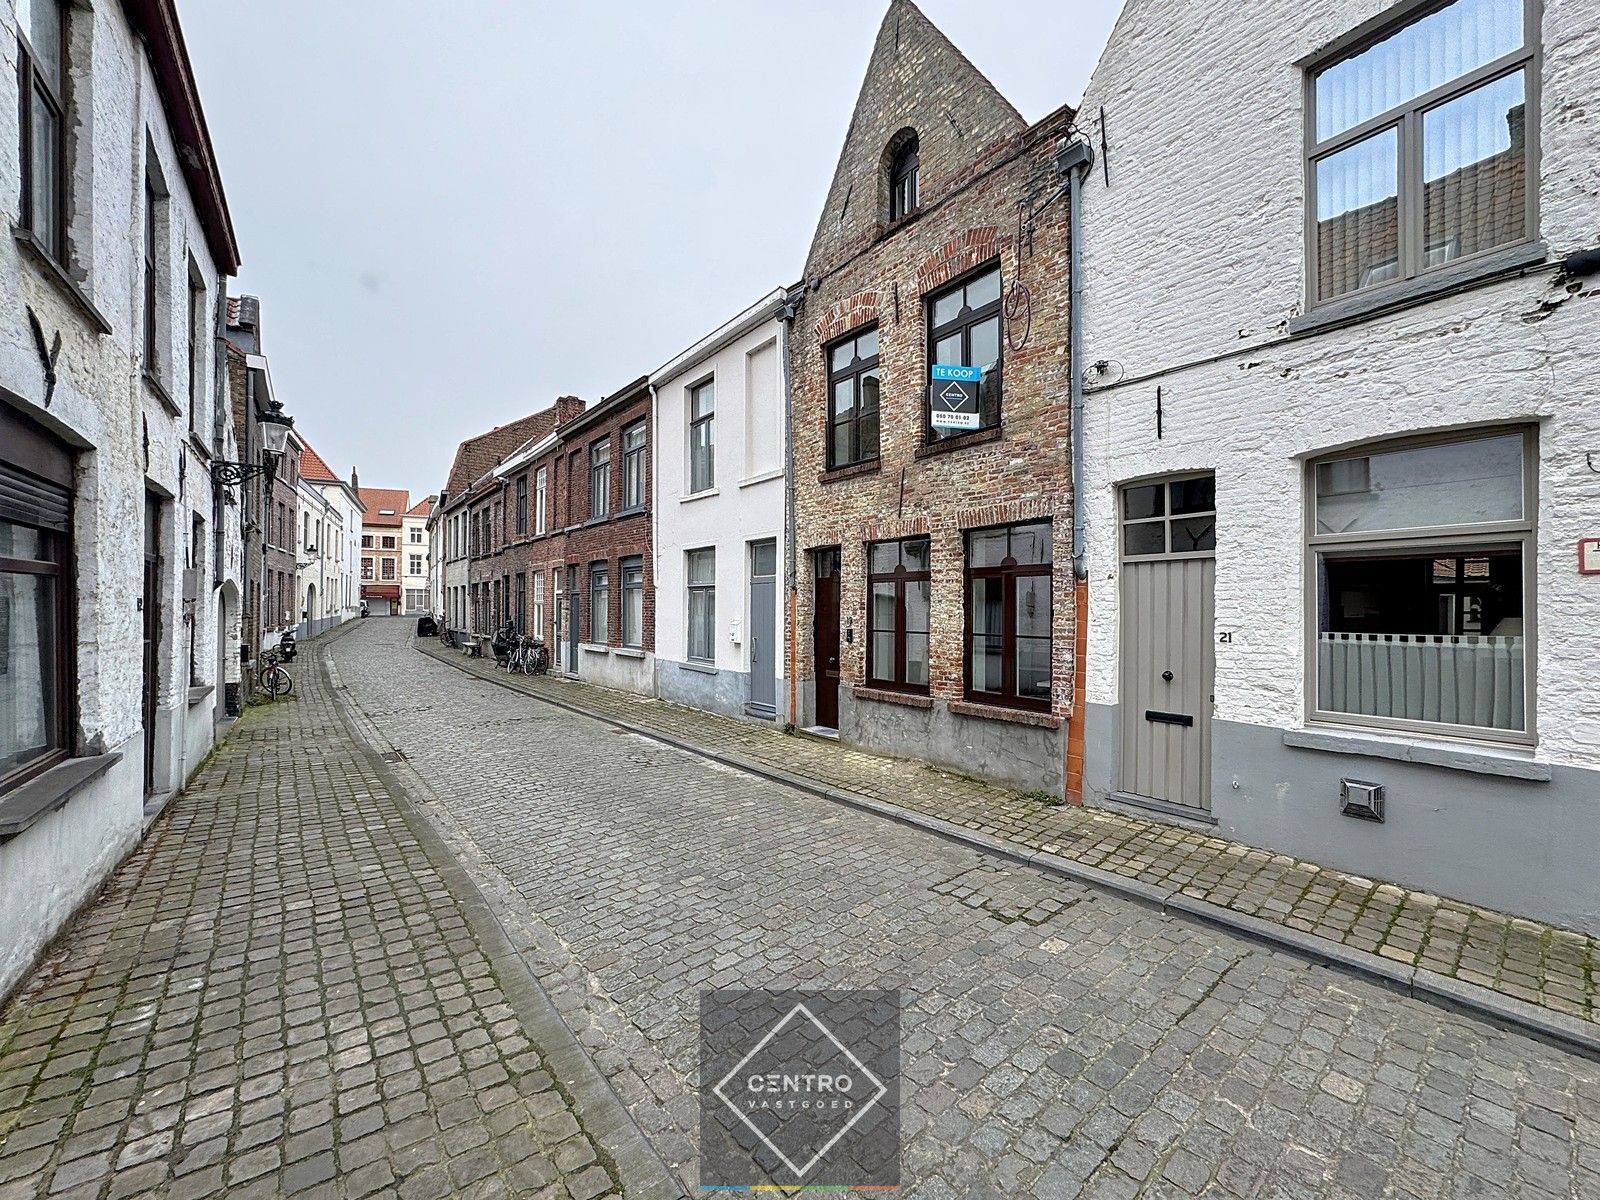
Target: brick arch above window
(959,255)
(850,313)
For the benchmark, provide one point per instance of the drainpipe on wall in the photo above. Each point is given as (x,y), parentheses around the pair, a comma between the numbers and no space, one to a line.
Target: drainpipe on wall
(652,433)
(786,316)
(1075,160)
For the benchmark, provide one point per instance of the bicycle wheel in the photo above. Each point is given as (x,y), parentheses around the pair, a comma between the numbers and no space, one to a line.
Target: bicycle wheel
(274,681)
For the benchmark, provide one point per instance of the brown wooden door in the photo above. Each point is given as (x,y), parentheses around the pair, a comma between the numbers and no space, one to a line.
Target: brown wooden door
(152,632)
(825,636)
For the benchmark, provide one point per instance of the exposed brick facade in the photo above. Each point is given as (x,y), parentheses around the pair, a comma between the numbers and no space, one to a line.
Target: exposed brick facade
(575,541)
(978,162)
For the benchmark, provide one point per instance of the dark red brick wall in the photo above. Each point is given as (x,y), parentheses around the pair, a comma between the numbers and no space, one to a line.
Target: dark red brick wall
(572,540)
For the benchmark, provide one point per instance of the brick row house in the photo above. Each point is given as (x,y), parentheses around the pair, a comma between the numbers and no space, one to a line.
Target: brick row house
(932,595)
(394,552)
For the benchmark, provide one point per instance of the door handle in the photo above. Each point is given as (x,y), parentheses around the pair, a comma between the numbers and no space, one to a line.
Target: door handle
(1167,675)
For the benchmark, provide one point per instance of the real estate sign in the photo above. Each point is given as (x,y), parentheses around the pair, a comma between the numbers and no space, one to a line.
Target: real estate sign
(953,396)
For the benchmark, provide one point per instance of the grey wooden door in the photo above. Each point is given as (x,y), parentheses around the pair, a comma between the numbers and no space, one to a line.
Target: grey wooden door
(1167,630)
(764,627)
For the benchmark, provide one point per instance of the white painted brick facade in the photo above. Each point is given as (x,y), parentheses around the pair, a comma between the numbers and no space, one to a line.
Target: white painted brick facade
(1195,253)
(102,405)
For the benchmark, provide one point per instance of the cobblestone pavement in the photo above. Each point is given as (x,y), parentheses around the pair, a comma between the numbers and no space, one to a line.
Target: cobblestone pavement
(1526,960)
(279,995)
(1059,1041)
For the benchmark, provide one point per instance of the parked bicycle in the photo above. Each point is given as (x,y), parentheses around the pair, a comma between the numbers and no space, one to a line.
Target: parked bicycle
(271,680)
(528,656)
(447,638)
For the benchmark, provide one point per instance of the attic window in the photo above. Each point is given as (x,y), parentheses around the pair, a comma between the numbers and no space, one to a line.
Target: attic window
(386,512)
(903,189)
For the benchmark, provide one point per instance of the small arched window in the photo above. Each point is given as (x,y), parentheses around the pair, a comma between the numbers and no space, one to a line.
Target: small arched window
(903,180)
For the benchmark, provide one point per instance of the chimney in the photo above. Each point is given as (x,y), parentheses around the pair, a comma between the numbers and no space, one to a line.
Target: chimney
(355,481)
(568,408)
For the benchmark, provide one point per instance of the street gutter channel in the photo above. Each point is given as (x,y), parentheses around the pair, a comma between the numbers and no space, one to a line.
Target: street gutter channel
(1570,1033)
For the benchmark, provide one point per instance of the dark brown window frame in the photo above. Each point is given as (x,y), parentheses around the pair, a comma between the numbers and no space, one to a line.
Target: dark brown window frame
(899,578)
(59,566)
(963,324)
(1009,574)
(599,593)
(152,357)
(905,179)
(32,86)
(854,372)
(522,505)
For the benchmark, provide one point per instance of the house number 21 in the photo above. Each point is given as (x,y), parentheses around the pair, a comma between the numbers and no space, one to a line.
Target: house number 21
(1225,637)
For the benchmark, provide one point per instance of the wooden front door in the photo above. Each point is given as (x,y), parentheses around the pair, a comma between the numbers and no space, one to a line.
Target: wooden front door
(825,636)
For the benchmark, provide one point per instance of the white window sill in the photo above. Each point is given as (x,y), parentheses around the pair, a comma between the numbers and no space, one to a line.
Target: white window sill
(705,495)
(700,668)
(1475,758)
(766,477)
(593,648)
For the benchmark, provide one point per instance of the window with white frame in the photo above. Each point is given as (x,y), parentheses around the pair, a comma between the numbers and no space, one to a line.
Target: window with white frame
(1422,608)
(633,602)
(538,604)
(541,491)
(701,574)
(414,567)
(1419,147)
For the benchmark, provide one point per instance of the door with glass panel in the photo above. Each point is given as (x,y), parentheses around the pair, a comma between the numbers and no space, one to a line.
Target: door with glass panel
(1169,539)
(764,627)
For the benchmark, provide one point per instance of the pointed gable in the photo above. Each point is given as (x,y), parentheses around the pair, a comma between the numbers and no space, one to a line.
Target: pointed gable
(916,81)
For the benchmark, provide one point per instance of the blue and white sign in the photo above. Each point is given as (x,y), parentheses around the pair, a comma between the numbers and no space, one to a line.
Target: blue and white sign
(953,396)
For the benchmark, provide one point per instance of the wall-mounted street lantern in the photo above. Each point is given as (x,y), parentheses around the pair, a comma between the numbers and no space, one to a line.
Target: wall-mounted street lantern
(275,429)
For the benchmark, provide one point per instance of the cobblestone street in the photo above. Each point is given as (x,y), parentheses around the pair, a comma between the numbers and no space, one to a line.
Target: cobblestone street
(281,994)
(1059,1041)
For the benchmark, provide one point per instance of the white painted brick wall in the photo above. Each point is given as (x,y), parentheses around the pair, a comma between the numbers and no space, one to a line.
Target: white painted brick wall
(1195,251)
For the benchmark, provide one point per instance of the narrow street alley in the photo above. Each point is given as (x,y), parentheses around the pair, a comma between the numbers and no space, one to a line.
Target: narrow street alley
(314,979)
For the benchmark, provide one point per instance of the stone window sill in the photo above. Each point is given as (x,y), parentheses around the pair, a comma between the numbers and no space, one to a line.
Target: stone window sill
(627,652)
(159,390)
(38,798)
(56,274)
(885,696)
(1485,268)
(835,474)
(705,495)
(198,693)
(593,648)
(995,712)
(699,668)
(980,437)
(1474,759)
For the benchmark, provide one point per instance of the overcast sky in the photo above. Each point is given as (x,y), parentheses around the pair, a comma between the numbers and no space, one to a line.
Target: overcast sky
(454,212)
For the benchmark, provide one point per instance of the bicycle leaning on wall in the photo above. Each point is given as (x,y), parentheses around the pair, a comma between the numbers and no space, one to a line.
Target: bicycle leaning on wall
(271,681)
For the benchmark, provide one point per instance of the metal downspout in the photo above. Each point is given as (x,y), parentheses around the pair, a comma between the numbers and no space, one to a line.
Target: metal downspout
(1077,159)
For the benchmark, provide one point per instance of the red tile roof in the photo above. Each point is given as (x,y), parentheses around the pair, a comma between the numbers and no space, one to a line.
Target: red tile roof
(314,468)
(479,454)
(374,502)
(422,507)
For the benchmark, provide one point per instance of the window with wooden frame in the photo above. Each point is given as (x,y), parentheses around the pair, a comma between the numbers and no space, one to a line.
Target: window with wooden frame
(600,479)
(1420,144)
(522,504)
(899,597)
(701,575)
(1009,615)
(196,330)
(702,437)
(853,399)
(634,462)
(1421,585)
(541,492)
(35,603)
(905,180)
(964,331)
(42,90)
(152,288)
